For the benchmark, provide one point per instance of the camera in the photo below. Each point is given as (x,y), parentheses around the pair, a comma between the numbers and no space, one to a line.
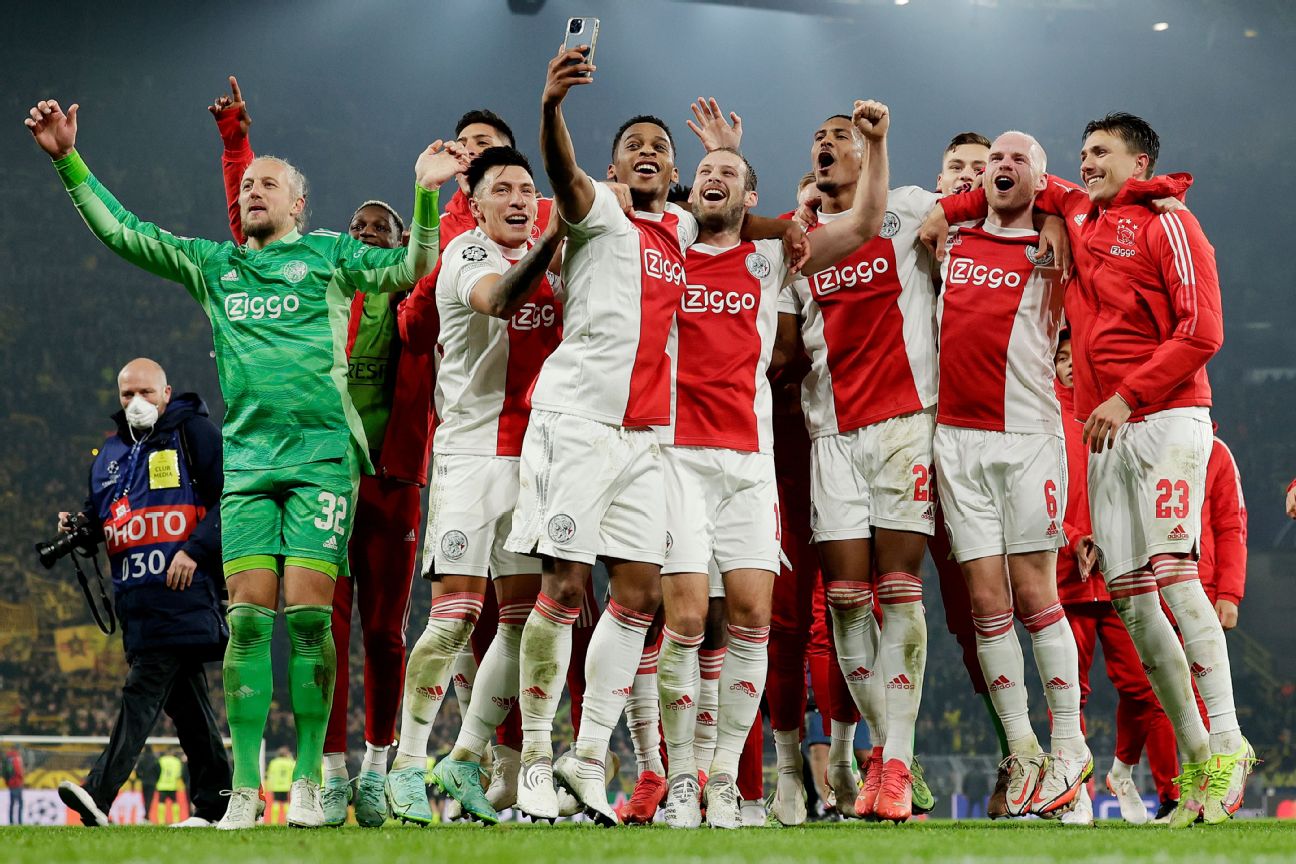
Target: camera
(80,535)
(575,25)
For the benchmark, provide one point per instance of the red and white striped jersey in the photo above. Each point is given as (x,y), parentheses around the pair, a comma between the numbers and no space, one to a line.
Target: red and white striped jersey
(869,324)
(724,333)
(487,365)
(623,279)
(999,314)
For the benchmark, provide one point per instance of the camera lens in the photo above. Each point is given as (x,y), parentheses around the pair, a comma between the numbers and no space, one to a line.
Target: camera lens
(575,25)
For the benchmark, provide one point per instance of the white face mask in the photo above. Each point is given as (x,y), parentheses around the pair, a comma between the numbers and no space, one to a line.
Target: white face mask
(141,413)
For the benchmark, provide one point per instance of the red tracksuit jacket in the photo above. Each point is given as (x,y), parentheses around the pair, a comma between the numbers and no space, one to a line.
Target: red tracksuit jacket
(1224,529)
(1076,524)
(1144,309)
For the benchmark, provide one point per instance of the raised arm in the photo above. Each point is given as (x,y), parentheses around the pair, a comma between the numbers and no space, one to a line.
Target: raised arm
(141,243)
(573,189)
(834,241)
(374,270)
(501,294)
(233,122)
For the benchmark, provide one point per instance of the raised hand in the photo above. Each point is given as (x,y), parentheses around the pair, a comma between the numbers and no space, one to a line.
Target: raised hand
(234,103)
(53,130)
(566,70)
(439,162)
(871,119)
(711,127)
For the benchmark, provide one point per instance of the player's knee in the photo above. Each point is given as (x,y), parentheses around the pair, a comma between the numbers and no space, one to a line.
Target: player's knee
(308,626)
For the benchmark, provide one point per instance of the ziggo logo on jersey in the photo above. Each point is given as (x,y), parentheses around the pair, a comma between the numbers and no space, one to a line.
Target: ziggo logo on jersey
(534,316)
(658,266)
(239,307)
(847,276)
(963,271)
(697,298)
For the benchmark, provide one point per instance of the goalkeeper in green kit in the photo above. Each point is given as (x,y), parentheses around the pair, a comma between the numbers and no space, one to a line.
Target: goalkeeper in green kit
(293,442)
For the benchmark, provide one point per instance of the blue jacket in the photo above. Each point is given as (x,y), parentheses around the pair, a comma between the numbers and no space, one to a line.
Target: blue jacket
(152,498)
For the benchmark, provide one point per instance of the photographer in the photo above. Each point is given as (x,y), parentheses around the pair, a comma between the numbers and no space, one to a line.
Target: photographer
(154,493)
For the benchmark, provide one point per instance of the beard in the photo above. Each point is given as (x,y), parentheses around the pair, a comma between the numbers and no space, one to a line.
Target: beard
(718,221)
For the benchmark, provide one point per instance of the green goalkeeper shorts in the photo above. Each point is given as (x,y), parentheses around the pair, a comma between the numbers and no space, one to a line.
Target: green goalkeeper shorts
(298,511)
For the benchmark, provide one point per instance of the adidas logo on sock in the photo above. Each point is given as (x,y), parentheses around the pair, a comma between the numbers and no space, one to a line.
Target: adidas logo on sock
(1178,533)
(1147,670)
(900,682)
(622,691)
(504,703)
(706,718)
(1001,683)
(535,692)
(1052,529)
(746,688)
(436,693)
(243,692)
(860,674)
(1200,671)
(412,536)
(1056,683)
(680,704)
(460,681)
(231,276)
(331,543)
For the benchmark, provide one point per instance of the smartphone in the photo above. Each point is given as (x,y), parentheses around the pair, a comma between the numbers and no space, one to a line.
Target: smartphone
(582,31)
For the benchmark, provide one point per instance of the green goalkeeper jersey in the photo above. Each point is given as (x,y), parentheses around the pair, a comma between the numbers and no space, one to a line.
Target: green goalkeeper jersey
(278,317)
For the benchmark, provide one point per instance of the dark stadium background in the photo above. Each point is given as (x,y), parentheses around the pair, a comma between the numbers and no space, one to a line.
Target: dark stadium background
(351,91)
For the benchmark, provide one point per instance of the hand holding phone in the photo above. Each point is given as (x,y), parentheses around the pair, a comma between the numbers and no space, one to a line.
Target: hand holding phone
(582,32)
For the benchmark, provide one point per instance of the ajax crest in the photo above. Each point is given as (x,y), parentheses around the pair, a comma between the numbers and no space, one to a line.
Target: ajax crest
(1033,256)
(453,545)
(890,225)
(758,265)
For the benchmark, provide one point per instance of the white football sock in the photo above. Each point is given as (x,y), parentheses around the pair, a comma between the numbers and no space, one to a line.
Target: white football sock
(427,675)
(855,636)
(643,718)
(902,652)
(742,681)
(335,766)
(677,682)
(614,651)
(1004,668)
(787,751)
(1137,602)
(1205,649)
(375,759)
(1057,661)
(496,686)
(544,655)
(710,664)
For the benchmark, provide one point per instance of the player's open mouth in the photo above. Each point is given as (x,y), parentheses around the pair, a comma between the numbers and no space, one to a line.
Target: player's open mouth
(1093,180)
(647,169)
(516,219)
(256,208)
(1003,182)
(714,193)
(826,159)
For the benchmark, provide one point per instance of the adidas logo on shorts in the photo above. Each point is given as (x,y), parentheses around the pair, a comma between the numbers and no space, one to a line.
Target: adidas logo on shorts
(1001,683)
(1178,533)
(331,543)
(1052,529)
(411,537)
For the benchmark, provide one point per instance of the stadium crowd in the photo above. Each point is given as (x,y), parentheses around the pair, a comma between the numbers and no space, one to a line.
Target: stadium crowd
(499,256)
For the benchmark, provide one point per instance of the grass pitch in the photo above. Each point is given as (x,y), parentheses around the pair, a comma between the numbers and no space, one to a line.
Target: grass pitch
(1253,840)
